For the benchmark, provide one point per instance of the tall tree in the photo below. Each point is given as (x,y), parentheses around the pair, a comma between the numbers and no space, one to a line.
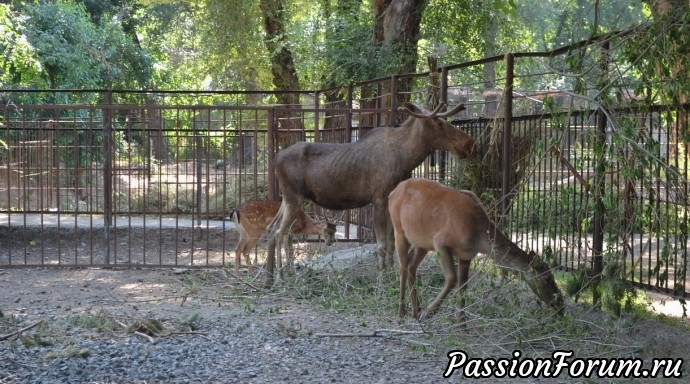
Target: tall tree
(282,68)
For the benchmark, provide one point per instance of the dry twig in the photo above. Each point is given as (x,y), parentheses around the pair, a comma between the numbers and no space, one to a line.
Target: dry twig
(20,331)
(376,333)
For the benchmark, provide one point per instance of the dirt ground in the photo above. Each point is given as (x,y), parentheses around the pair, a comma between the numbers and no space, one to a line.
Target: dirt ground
(218,295)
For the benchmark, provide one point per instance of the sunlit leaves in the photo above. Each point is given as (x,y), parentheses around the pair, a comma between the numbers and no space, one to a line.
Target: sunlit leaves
(18,63)
(58,45)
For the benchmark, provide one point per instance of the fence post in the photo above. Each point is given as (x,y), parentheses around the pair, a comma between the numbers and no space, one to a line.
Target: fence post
(107,173)
(599,183)
(317,105)
(199,160)
(270,144)
(506,181)
(394,101)
(348,115)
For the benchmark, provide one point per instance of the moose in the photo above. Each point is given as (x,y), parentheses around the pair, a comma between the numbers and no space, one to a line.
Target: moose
(427,215)
(252,218)
(352,175)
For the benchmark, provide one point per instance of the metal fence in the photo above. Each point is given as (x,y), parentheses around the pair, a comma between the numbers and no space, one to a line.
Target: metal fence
(143,178)
(552,203)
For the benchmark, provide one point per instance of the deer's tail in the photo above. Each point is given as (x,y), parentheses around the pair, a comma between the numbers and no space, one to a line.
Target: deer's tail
(235,216)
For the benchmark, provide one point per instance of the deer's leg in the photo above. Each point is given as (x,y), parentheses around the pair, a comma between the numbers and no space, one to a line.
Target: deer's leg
(402,248)
(249,247)
(463,277)
(383,232)
(416,257)
(241,246)
(238,253)
(450,281)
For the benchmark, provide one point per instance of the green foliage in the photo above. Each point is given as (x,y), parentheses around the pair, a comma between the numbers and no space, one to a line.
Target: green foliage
(617,294)
(659,56)
(56,44)
(191,321)
(100,321)
(218,44)
(344,44)
(19,63)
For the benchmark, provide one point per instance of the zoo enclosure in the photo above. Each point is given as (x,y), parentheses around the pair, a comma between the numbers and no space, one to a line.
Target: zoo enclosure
(144,178)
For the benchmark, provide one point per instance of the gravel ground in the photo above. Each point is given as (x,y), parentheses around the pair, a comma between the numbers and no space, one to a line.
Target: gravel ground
(256,354)
(236,339)
(96,326)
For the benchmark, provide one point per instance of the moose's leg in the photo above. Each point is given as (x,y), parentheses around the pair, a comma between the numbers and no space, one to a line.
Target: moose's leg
(383,230)
(450,281)
(402,248)
(289,250)
(390,241)
(289,214)
(273,234)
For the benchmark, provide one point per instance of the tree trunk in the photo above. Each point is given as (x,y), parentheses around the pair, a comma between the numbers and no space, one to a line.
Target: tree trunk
(396,33)
(290,128)
(158,141)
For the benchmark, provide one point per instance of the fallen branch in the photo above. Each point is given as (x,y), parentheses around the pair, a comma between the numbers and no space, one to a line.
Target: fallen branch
(124,326)
(243,282)
(20,331)
(376,333)
(571,168)
(118,322)
(200,334)
(150,339)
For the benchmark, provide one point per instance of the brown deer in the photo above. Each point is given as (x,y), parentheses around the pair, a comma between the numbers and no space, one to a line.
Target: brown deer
(252,218)
(352,175)
(427,215)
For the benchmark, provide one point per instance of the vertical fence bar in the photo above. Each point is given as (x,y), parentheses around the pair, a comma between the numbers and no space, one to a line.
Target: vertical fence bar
(348,115)
(270,150)
(442,155)
(507,137)
(317,105)
(378,105)
(683,111)
(348,139)
(107,173)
